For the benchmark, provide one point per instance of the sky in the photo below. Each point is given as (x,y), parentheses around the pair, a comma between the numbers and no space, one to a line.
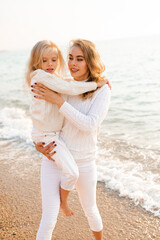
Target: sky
(25,22)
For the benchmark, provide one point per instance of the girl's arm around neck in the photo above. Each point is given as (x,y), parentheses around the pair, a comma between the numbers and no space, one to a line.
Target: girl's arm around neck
(59,85)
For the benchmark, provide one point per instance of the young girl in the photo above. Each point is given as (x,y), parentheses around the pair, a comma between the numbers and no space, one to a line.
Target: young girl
(45,63)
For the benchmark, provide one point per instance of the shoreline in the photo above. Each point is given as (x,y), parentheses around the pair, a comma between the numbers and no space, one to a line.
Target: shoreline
(20,201)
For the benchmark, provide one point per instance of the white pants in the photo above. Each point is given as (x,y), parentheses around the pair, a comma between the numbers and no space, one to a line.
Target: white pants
(86,187)
(63,159)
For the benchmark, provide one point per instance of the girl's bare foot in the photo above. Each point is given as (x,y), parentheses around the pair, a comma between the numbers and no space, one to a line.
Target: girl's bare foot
(67,212)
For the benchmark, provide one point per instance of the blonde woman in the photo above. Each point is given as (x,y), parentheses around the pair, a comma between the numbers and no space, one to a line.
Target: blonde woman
(83,116)
(45,63)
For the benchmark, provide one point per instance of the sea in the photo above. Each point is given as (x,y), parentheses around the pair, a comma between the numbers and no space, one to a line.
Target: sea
(128,159)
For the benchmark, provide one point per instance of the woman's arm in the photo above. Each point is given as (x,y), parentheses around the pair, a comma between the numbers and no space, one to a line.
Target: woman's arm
(94,117)
(59,85)
(96,114)
(82,121)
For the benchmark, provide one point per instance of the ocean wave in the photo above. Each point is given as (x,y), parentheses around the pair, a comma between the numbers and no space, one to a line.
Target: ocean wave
(132,171)
(15,124)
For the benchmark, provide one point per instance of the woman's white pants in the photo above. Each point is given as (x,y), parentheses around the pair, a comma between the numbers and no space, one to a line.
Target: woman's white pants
(86,188)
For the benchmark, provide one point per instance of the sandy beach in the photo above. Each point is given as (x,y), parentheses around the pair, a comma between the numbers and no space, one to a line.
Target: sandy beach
(20,202)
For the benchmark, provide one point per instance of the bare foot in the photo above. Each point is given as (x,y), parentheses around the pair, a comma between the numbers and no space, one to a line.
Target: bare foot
(67,212)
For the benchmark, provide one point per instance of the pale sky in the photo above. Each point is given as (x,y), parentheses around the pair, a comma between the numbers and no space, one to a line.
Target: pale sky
(24,22)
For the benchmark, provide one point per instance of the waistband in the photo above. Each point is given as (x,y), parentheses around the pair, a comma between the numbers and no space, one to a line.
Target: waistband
(44,134)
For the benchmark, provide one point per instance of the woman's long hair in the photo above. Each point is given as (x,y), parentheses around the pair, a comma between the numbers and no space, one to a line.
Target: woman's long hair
(93,60)
(35,60)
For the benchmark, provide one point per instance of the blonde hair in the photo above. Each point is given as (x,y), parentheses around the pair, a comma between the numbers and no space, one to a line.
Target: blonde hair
(93,60)
(35,60)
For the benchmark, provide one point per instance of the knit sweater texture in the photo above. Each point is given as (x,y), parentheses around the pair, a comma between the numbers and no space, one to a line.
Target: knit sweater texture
(46,116)
(82,122)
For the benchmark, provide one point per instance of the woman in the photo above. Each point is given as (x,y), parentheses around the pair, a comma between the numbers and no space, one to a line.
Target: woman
(83,115)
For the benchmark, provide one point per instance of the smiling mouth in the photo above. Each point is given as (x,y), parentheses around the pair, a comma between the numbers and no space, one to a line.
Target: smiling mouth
(74,70)
(50,69)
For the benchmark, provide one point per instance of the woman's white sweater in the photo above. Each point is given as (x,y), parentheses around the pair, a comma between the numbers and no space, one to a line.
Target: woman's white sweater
(46,116)
(82,120)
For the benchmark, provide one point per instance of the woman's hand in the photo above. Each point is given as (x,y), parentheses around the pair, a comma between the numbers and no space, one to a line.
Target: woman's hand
(42,92)
(103,81)
(47,150)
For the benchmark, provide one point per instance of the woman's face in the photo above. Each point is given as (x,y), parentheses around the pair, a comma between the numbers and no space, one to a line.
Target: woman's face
(77,64)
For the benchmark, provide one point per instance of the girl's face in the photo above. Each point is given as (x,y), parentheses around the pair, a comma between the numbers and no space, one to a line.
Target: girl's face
(49,60)
(77,64)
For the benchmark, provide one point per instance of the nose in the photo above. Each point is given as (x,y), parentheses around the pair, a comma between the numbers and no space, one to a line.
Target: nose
(50,63)
(73,62)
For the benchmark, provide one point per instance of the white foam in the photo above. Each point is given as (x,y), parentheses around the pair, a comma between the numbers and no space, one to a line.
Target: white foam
(132,180)
(15,124)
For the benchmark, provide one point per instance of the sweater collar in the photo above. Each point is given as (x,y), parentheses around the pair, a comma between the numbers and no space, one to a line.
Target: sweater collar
(85,80)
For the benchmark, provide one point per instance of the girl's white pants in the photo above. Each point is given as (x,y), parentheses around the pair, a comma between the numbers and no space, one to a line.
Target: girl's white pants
(63,159)
(86,188)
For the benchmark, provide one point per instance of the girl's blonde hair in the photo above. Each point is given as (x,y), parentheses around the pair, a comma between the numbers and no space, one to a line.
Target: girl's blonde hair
(35,60)
(93,60)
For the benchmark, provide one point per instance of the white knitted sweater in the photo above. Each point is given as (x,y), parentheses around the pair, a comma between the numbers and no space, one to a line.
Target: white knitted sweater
(46,116)
(82,120)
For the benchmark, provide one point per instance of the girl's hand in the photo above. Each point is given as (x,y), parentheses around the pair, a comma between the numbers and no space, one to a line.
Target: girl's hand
(46,151)
(42,92)
(103,81)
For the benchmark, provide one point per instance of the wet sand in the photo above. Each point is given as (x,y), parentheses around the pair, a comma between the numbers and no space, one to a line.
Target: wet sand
(20,207)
